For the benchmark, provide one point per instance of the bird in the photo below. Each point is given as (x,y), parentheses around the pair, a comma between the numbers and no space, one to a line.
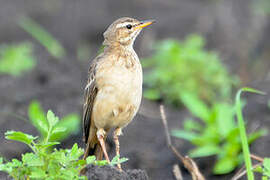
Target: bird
(114,88)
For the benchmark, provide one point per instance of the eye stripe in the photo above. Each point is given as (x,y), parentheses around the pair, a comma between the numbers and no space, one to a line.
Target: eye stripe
(124,24)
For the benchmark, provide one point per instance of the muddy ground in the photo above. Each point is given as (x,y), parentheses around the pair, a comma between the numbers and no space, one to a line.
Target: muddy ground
(231,27)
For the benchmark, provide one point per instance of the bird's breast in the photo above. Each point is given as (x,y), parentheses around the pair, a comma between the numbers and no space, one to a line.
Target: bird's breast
(119,91)
(123,75)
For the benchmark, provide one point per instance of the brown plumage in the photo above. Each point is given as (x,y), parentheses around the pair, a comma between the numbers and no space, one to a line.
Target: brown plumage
(114,88)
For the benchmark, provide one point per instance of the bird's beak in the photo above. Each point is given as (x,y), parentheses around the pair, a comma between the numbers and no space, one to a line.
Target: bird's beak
(145,23)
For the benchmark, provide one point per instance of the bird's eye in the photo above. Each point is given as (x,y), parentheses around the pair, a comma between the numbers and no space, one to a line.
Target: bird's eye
(129,26)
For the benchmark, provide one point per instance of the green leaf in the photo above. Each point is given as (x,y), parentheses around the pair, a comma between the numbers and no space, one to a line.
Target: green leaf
(82,178)
(16,59)
(101,163)
(1,164)
(90,159)
(255,135)
(210,135)
(206,150)
(31,159)
(74,149)
(59,130)
(225,118)
(38,173)
(71,124)
(122,160)
(16,163)
(116,160)
(52,119)
(75,152)
(252,90)
(46,145)
(81,163)
(259,169)
(195,105)
(266,163)
(20,136)
(45,38)
(266,167)
(68,125)
(38,117)
(152,94)
(10,166)
(233,135)
(224,165)
(190,124)
(187,135)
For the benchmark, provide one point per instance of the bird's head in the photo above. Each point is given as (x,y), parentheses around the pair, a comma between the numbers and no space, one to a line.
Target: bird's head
(124,31)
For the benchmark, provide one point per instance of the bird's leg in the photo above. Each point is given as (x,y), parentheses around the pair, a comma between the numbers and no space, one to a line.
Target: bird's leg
(116,134)
(100,135)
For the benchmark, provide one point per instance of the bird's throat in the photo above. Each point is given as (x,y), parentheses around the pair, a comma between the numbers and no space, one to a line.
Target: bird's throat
(120,49)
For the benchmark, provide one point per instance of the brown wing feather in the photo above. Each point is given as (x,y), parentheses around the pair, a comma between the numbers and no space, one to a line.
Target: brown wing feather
(89,98)
(89,129)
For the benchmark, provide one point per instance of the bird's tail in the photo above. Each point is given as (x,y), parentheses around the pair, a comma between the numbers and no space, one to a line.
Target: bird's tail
(93,147)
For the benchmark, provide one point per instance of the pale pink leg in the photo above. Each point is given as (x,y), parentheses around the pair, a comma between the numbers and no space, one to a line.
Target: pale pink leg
(116,134)
(100,135)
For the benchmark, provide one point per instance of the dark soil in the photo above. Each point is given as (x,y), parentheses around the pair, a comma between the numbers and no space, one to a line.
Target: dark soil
(112,173)
(231,28)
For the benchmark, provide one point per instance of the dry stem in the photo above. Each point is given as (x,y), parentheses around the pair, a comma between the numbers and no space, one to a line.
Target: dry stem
(189,164)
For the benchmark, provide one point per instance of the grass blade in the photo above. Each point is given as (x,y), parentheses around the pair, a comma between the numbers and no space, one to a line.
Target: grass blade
(45,38)
(242,130)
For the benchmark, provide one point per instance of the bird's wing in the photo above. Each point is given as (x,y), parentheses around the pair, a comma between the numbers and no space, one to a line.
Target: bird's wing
(89,98)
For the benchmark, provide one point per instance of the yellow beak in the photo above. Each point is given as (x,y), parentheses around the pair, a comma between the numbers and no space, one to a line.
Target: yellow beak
(144,24)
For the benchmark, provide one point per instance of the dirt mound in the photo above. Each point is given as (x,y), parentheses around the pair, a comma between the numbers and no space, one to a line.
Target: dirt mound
(111,173)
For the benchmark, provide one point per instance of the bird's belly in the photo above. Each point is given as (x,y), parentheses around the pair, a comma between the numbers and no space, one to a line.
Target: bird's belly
(118,98)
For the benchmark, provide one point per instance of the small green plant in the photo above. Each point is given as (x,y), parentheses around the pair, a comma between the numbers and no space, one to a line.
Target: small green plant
(37,117)
(264,169)
(42,163)
(177,67)
(44,37)
(16,59)
(216,134)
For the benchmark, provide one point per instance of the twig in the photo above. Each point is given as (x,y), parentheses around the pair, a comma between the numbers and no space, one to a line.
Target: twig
(238,172)
(239,175)
(258,158)
(165,124)
(241,171)
(189,164)
(177,173)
